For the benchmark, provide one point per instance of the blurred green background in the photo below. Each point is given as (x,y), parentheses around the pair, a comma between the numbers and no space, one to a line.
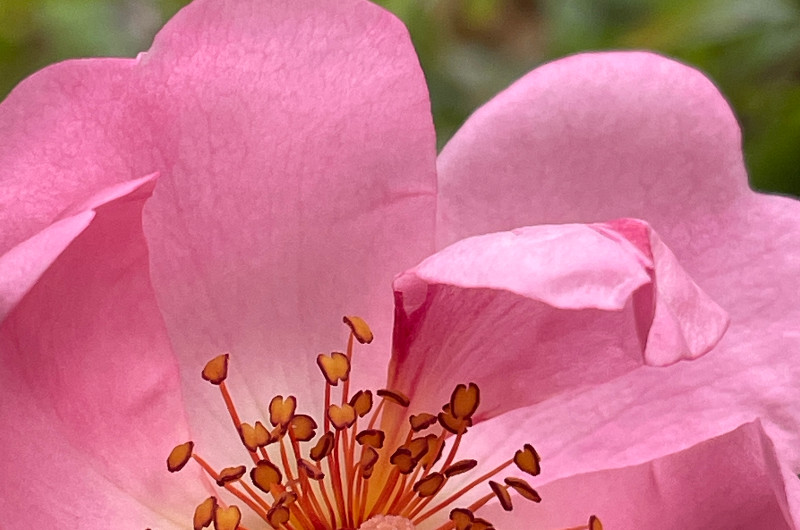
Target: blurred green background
(471,49)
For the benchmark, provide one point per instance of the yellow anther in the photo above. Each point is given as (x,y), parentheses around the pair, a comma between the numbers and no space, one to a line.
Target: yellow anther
(265,475)
(403,460)
(216,370)
(420,422)
(362,402)
(369,457)
(227,518)
(286,498)
(434,452)
(418,447)
(323,447)
(464,400)
(457,468)
(452,424)
(372,438)
(342,417)
(429,485)
(394,396)
(278,515)
(229,474)
(179,456)
(523,488)
(281,411)
(462,518)
(310,469)
(204,513)
(254,437)
(335,367)
(527,459)
(353,492)
(501,492)
(303,427)
(359,328)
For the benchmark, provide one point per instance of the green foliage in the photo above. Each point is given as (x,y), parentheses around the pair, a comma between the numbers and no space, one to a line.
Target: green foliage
(472,49)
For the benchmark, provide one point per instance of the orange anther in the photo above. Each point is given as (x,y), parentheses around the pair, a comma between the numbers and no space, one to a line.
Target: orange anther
(229,474)
(282,410)
(310,469)
(527,459)
(420,422)
(303,427)
(204,513)
(359,328)
(524,489)
(254,437)
(265,475)
(362,402)
(394,396)
(464,401)
(457,468)
(227,518)
(216,370)
(342,417)
(335,367)
(179,456)
(429,485)
(323,447)
(502,495)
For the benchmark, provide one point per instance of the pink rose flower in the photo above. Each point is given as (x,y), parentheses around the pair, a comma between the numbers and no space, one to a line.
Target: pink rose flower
(268,167)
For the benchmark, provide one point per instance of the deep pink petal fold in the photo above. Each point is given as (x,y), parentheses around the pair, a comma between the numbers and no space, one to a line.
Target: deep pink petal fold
(89,391)
(730,481)
(297,160)
(542,310)
(601,136)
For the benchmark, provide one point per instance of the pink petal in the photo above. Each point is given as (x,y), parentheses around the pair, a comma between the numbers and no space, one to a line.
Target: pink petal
(90,402)
(731,481)
(296,152)
(541,310)
(600,136)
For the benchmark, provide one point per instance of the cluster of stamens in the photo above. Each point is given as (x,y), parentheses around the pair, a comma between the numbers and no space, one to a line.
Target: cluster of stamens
(350,478)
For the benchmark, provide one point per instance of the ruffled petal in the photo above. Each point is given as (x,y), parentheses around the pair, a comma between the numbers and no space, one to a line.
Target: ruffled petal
(542,310)
(297,160)
(301,160)
(90,401)
(730,481)
(601,136)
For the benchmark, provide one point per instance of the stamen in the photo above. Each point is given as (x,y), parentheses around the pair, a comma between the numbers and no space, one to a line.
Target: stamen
(281,411)
(230,474)
(385,486)
(179,456)
(216,370)
(371,437)
(527,459)
(335,367)
(394,396)
(502,495)
(227,518)
(359,328)
(523,488)
(204,513)
(254,437)
(420,422)
(266,475)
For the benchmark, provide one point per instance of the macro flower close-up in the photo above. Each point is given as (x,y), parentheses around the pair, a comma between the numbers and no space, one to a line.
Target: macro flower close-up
(240,289)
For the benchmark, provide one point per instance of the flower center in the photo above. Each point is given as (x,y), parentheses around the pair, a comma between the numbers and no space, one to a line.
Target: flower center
(348,477)
(387,522)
